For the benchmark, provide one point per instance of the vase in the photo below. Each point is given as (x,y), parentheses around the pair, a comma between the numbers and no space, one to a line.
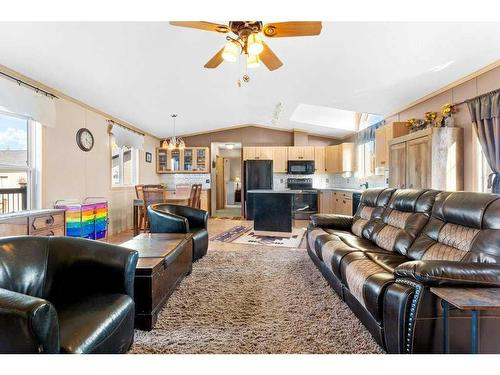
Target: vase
(449,122)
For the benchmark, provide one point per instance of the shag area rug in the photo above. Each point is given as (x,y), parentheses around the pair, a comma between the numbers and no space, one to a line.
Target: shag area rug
(255,300)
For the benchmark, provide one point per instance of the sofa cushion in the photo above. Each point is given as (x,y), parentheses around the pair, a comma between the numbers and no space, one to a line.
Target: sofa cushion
(371,206)
(98,323)
(464,226)
(402,221)
(366,281)
(367,274)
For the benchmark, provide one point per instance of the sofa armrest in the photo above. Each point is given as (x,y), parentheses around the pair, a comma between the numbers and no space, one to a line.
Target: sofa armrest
(27,324)
(79,267)
(449,273)
(331,221)
(166,222)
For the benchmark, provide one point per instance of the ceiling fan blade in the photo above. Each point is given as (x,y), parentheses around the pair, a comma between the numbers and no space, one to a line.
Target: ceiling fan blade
(202,25)
(293,28)
(215,61)
(269,59)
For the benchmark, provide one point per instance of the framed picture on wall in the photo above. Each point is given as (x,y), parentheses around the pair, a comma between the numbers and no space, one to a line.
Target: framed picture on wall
(149,157)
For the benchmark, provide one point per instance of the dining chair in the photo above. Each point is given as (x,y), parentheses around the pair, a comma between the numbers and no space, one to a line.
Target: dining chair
(152,195)
(139,193)
(195,196)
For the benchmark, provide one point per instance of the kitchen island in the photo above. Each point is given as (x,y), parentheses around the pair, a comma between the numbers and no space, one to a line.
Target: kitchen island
(272,210)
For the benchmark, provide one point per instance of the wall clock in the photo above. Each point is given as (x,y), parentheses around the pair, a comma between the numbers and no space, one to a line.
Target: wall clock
(85,139)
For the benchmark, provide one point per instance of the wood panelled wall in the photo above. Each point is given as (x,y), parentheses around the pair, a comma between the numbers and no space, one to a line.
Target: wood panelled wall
(254,136)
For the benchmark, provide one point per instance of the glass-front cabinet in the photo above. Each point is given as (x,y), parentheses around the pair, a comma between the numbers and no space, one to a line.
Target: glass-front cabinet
(201,159)
(188,160)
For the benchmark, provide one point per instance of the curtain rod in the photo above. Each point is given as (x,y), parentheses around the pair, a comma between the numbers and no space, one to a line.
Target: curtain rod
(111,122)
(30,86)
(467,100)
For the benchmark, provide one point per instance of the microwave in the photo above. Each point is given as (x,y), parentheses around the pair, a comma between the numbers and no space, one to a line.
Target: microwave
(301,167)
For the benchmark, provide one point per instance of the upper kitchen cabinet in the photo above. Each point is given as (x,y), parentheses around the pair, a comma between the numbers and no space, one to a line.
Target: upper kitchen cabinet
(319,159)
(301,153)
(188,160)
(430,158)
(258,153)
(383,135)
(340,158)
(280,158)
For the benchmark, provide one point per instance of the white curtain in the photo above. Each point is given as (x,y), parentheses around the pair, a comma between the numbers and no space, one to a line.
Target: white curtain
(125,137)
(24,101)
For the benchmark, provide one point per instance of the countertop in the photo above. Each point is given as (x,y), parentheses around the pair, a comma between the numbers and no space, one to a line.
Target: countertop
(264,191)
(343,189)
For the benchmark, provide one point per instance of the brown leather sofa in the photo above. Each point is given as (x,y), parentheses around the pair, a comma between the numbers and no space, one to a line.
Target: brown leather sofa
(383,260)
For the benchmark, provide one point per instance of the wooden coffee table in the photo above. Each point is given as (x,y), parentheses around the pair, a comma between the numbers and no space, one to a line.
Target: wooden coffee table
(164,260)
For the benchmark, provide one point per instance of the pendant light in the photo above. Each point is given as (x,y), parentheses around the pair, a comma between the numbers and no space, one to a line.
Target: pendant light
(171,143)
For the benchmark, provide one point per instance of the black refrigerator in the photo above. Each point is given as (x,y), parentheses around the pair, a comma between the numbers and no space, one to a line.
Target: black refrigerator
(258,176)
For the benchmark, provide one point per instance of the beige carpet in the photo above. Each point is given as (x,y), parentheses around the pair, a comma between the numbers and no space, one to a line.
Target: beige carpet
(250,300)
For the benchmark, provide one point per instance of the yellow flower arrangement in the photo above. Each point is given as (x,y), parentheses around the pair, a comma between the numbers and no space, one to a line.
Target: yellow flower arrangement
(430,117)
(447,110)
(411,122)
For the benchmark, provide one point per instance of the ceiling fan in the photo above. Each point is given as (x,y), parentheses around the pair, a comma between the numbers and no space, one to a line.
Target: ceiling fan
(248,39)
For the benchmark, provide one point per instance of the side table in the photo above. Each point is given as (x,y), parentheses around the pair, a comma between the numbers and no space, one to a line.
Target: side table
(472,299)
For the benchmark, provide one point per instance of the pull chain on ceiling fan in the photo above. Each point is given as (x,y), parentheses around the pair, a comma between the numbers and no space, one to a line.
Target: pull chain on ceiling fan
(248,39)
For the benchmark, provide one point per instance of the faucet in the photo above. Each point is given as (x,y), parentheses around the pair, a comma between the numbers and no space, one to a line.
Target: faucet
(365,185)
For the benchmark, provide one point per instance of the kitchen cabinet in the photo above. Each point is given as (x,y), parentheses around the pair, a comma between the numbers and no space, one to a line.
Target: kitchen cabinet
(301,153)
(187,160)
(430,158)
(258,153)
(335,202)
(383,135)
(326,202)
(319,159)
(280,159)
(340,158)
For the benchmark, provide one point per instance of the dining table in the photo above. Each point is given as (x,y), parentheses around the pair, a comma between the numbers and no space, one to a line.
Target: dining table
(169,197)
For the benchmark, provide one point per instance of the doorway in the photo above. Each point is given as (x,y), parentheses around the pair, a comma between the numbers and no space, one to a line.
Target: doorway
(227,180)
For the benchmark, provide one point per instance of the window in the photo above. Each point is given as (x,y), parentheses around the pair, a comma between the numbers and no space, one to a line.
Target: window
(18,158)
(365,155)
(124,165)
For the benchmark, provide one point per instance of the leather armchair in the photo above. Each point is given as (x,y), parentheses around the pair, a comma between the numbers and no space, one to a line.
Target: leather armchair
(170,218)
(65,295)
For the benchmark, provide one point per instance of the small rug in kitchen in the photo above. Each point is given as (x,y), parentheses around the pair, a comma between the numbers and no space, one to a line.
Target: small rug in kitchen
(251,238)
(231,234)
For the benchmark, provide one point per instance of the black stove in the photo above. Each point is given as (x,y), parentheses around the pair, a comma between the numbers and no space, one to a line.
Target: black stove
(300,184)
(305,200)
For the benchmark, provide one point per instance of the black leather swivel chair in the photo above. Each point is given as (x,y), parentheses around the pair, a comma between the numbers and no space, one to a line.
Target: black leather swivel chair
(171,218)
(65,295)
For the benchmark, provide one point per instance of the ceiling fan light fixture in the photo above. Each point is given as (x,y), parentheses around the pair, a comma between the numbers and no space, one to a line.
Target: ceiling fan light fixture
(253,61)
(231,51)
(254,44)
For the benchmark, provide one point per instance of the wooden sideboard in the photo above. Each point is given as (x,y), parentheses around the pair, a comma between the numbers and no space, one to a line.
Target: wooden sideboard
(49,222)
(430,158)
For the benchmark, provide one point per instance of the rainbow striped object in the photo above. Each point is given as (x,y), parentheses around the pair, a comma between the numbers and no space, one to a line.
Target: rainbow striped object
(88,220)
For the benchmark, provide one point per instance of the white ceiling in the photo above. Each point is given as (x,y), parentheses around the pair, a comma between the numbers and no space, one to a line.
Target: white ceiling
(143,72)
